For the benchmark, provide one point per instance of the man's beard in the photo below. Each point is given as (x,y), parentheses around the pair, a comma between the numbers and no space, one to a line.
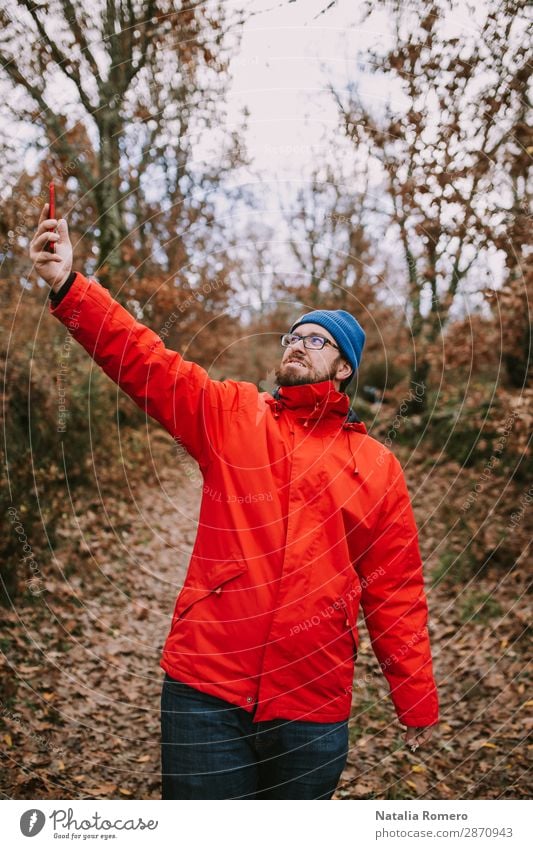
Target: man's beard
(287,375)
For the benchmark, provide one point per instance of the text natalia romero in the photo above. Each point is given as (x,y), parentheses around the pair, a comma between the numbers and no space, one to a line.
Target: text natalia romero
(413,815)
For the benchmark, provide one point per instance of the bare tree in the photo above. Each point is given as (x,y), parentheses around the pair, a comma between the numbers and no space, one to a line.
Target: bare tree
(453,147)
(328,235)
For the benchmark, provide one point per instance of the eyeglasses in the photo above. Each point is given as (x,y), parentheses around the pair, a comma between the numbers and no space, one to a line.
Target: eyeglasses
(314,342)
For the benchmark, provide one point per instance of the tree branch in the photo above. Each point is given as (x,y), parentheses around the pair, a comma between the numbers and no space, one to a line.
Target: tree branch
(62,61)
(64,147)
(70,12)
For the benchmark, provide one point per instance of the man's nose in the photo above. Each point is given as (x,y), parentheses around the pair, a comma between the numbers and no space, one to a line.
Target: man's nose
(299,342)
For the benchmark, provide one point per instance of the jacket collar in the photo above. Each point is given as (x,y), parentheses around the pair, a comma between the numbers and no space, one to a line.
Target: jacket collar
(312,401)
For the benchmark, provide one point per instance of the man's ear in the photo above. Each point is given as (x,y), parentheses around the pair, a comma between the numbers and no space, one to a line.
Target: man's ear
(349,373)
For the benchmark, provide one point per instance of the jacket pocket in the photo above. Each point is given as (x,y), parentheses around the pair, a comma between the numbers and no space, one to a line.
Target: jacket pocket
(350,619)
(211,583)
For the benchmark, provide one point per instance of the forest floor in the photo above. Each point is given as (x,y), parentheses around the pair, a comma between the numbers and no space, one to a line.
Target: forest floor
(81,682)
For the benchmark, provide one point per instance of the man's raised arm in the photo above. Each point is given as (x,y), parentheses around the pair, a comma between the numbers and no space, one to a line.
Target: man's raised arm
(177,393)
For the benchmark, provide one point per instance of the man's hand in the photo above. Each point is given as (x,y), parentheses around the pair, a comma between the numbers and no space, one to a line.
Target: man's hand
(53,268)
(415,737)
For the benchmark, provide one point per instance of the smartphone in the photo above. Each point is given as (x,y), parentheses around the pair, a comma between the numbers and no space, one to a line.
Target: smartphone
(50,246)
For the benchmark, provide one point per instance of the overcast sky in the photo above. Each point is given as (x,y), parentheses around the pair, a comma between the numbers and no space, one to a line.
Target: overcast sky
(287,58)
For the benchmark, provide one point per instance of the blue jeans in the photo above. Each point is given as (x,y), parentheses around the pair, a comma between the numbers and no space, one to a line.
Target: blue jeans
(211,749)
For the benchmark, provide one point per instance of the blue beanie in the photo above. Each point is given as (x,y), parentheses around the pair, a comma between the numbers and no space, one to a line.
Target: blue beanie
(344,328)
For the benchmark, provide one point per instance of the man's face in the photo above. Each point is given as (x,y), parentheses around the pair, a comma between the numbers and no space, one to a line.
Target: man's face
(303,365)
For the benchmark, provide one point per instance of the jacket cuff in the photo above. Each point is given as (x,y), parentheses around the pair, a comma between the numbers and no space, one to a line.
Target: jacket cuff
(57,297)
(421,717)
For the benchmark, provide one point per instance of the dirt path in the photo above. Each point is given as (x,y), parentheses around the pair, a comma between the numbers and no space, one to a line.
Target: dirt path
(89,677)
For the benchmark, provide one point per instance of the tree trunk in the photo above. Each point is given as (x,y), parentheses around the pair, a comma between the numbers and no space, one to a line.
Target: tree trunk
(109,202)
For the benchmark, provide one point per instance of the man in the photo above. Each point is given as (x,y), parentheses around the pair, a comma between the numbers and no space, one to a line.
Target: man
(303,516)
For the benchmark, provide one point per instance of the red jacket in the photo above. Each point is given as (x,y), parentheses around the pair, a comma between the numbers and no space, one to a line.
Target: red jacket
(303,516)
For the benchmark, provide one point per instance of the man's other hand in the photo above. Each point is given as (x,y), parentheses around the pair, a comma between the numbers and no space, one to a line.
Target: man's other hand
(418,736)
